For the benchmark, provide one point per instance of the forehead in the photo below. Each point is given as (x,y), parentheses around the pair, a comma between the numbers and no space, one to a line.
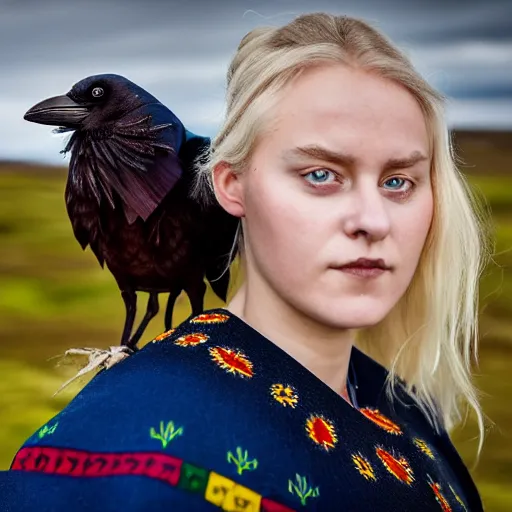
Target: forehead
(349,109)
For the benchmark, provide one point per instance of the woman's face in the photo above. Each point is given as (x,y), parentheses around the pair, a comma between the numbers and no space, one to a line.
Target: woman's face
(343,174)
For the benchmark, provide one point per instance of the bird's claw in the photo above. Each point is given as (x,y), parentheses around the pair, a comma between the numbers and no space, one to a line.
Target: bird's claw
(99,359)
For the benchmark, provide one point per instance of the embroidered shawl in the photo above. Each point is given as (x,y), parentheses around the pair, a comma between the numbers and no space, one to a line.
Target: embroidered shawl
(214,416)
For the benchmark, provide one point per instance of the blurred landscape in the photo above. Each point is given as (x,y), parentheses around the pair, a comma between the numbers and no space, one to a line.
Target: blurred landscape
(54,296)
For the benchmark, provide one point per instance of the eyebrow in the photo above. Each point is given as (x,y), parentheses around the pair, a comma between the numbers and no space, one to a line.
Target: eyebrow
(345,160)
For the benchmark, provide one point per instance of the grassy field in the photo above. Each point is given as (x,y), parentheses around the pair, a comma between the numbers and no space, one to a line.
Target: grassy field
(53,296)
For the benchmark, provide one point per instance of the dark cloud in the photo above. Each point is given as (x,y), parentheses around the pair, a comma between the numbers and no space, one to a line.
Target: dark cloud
(180,51)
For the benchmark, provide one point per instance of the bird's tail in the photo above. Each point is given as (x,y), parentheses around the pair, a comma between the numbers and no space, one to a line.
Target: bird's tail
(220,228)
(223,252)
(219,281)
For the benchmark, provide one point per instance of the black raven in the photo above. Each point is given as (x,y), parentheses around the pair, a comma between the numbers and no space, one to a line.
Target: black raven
(128,195)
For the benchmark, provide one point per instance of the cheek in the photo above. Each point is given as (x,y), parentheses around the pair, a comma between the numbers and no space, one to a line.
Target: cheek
(413,229)
(282,223)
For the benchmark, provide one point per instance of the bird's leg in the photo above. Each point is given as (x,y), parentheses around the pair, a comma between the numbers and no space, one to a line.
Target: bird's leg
(130,302)
(173,295)
(195,294)
(151,312)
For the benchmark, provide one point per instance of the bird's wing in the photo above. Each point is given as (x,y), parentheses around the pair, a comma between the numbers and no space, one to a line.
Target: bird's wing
(135,158)
(82,197)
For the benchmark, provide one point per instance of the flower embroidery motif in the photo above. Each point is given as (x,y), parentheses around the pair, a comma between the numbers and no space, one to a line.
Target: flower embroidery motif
(166,434)
(242,461)
(423,446)
(191,340)
(445,506)
(210,318)
(363,466)
(321,431)
(233,361)
(382,421)
(164,335)
(399,468)
(302,489)
(46,430)
(285,395)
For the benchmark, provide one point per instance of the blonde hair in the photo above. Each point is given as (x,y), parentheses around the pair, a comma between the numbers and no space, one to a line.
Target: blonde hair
(429,337)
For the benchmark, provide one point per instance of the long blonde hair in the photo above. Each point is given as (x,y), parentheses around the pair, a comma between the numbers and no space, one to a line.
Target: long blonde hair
(429,337)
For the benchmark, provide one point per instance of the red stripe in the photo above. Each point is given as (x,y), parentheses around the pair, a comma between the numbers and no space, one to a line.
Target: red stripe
(81,463)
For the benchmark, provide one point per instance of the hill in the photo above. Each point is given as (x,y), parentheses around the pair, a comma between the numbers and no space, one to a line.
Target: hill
(478,152)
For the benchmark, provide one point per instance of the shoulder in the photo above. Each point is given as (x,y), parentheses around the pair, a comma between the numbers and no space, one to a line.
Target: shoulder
(180,410)
(172,381)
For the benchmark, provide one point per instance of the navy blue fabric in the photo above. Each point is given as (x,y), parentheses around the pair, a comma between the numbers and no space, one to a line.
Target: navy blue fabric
(220,411)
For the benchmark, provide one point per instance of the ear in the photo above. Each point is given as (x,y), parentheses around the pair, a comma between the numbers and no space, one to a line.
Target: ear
(228,189)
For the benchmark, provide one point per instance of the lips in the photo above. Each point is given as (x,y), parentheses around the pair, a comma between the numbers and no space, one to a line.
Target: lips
(362,272)
(365,263)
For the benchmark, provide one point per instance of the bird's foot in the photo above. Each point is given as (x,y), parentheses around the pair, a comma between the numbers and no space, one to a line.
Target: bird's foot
(99,359)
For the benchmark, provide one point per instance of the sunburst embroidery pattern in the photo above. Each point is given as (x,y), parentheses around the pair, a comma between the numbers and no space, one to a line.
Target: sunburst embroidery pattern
(285,395)
(363,466)
(233,361)
(321,431)
(457,497)
(210,318)
(399,468)
(423,446)
(164,335)
(382,421)
(445,506)
(191,340)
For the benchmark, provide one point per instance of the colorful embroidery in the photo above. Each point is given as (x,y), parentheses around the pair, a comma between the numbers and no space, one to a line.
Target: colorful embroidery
(210,318)
(167,434)
(423,446)
(445,506)
(381,420)
(193,478)
(225,493)
(191,340)
(363,466)
(164,335)
(302,489)
(399,468)
(46,430)
(242,461)
(457,497)
(215,488)
(321,431)
(285,395)
(232,361)
(79,463)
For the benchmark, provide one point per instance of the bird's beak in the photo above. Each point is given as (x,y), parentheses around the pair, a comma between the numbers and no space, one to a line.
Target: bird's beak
(58,111)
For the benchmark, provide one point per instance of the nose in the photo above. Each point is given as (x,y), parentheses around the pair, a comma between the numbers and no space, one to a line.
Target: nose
(367,213)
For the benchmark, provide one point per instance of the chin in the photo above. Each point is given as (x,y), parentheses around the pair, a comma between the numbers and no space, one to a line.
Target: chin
(350,313)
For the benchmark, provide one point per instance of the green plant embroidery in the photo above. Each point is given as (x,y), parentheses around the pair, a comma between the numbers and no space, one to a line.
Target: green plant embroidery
(241,460)
(302,489)
(167,434)
(47,430)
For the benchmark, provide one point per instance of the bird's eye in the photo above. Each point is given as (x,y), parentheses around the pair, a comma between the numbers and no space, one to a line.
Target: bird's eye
(97,92)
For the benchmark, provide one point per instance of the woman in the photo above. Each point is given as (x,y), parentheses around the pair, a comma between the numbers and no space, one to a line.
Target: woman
(356,229)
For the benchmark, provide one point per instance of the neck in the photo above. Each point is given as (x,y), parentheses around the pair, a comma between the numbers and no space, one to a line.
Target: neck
(323,350)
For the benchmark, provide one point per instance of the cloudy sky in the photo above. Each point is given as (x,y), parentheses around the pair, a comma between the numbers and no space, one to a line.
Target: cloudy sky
(180,50)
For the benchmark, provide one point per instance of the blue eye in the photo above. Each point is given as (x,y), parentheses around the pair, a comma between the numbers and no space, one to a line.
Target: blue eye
(395,180)
(319,176)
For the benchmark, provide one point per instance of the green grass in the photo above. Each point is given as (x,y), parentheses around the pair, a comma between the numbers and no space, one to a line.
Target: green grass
(54,296)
